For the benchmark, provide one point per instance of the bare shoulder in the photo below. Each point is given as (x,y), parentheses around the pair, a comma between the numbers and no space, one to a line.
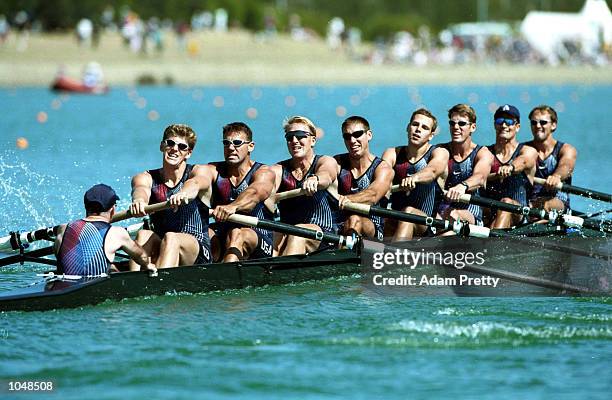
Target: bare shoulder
(484,154)
(529,151)
(390,155)
(568,150)
(440,152)
(142,179)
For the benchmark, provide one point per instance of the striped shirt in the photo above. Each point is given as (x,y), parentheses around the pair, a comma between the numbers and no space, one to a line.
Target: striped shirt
(425,196)
(516,187)
(191,218)
(224,192)
(459,171)
(82,249)
(546,168)
(304,209)
(347,184)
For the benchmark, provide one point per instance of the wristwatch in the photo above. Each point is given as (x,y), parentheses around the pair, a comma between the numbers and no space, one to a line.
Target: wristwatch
(467,187)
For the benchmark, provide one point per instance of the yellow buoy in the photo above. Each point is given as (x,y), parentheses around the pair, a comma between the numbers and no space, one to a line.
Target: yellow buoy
(22,143)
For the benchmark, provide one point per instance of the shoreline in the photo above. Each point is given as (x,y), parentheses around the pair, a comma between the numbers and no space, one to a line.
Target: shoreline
(239,58)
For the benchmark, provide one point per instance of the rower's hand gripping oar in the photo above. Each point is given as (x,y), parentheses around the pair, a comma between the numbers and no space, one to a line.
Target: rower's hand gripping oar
(564,187)
(17,240)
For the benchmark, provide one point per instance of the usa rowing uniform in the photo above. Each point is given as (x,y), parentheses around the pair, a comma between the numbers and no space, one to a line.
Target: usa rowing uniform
(82,249)
(459,171)
(191,218)
(425,196)
(304,209)
(224,192)
(516,187)
(347,184)
(544,169)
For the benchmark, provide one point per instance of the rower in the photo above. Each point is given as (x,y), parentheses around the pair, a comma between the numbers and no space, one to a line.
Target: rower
(513,168)
(179,236)
(361,178)
(313,174)
(87,247)
(420,169)
(556,160)
(240,186)
(468,167)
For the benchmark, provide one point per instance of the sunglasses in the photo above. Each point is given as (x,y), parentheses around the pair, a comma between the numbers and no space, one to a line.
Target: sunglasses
(236,142)
(171,143)
(356,135)
(460,123)
(508,121)
(542,122)
(297,134)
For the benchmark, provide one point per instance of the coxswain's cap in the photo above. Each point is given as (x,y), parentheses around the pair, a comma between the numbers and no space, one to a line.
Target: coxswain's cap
(101,194)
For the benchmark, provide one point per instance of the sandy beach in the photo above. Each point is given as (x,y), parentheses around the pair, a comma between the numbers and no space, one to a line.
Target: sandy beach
(241,58)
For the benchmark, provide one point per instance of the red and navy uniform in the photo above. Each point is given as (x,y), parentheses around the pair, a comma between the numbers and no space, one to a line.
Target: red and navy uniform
(82,249)
(304,209)
(224,192)
(546,168)
(191,218)
(425,196)
(347,184)
(459,171)
(516,187)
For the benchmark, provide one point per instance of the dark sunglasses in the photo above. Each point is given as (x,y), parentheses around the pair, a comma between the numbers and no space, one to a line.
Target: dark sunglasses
(296,134)
(356,134)
(236,142)
(542,122)
(508,121)
(171,143)
(460,123)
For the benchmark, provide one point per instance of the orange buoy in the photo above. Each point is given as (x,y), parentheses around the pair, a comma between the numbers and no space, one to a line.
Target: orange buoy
(22,143)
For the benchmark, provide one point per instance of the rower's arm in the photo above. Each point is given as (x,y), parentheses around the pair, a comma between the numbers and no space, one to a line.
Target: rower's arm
(567,162)
(434,168)
(120,239)
(261,188)
(141,193)
(390,156)
(199,181)
(326,172)
(482,168)
(383,176)
(525,161)
(58,238)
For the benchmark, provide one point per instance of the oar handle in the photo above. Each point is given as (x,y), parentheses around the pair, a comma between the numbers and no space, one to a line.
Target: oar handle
(513,208)
(150,209)
(399,188)
(593,194)
(541,181)
(289,194)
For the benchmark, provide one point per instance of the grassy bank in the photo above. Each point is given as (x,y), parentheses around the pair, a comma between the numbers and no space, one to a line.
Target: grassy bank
(241,58)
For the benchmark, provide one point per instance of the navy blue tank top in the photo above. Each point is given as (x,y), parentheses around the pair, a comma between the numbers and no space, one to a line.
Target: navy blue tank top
(347,185)
(458,171)
(224,192)
(544,169)
(425,196)
(82,249)
(517,187)
(304,209)
(191,218)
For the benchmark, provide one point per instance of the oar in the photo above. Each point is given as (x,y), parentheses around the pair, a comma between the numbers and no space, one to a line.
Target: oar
(593,194)
(457,226)
(13,241)
(567,220)
(255,222)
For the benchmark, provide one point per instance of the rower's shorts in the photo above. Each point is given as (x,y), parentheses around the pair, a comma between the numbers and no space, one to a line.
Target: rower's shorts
(264,239)
(204,255)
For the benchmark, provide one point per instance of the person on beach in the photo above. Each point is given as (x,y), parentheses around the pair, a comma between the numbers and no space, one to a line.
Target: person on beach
(313,174)
(468,167)
(420,170)
(86,247)
(555,163)
(361,178)
(179,236)
(513,168)
(240,185)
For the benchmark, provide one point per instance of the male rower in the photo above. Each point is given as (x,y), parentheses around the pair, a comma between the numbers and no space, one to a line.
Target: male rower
(420,170)
(556,160)
(313,174)
(361,178)
(513,168)
(240,186)
(86,247)
(179,236)
(468,167)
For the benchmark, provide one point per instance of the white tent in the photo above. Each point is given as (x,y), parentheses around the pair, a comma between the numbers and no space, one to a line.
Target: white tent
(591,28)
